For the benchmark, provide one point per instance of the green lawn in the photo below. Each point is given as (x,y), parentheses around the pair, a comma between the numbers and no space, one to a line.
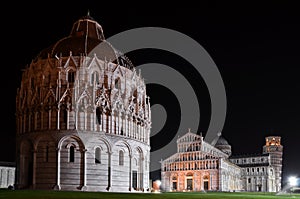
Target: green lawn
(37,194)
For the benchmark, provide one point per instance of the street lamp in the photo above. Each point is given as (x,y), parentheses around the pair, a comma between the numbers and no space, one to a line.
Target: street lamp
(293,181)
(156,186)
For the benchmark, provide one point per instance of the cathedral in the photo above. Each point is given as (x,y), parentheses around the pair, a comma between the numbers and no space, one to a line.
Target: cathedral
(83,117)
(201,166)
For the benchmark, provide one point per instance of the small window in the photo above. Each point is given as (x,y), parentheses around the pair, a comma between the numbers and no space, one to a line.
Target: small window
(117,83)
(121,158)
(98,115)
(65,115)
(71,154)
(97,155)
(95,78)
(249,180)
(71,76)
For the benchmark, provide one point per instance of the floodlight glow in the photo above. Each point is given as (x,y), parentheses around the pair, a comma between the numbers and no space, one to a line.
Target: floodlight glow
(158,182)
(293,181)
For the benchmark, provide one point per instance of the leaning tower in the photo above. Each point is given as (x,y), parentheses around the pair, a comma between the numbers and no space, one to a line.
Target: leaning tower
(275,149)
(83,117)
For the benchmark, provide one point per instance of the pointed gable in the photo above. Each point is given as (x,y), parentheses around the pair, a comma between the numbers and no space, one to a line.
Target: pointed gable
(118,71)
(71,62)
(189,137)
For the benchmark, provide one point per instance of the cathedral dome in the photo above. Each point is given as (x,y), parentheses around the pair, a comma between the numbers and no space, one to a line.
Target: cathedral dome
(221,141)
(223,145)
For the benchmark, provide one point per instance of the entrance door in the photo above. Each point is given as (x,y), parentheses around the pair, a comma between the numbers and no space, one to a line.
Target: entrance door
(134,180)
(259,187)
(205,185)
(189,184)
(174,186)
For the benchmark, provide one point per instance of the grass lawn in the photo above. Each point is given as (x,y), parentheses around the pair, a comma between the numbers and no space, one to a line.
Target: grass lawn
(38,194)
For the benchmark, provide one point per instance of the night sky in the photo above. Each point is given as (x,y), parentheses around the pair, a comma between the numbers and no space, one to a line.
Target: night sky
(255,47)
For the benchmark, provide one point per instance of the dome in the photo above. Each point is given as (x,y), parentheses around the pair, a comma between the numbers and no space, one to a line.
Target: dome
(223,145)
(85,36)
(221,141)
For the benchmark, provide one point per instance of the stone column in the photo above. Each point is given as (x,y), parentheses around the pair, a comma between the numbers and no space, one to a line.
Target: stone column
(109,171)
(130,173)
(58,118)
(57,186)
(104,122)
(142,174)
(68,116)
(85,120)
(33,168)
(42,120)
(76,118)
(49,119)
(126,130)
(84,187)
(113,121)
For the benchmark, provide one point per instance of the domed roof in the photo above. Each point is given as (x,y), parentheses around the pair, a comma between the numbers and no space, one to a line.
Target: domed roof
(221,141)
(86,35)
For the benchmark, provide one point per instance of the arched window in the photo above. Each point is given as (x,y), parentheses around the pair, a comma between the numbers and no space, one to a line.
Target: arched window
(135,162)
(117,83)
(71,76)
(98,115)
(121,157)
(97,155)
(95,78)
(71,154)
(64,114)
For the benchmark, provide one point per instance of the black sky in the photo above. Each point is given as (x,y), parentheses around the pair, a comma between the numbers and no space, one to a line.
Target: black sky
(255,47)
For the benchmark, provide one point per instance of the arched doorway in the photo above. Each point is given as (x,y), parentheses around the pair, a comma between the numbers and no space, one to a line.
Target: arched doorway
(26,164)
(189,182)
(206,183)
(174,183)
(71,163)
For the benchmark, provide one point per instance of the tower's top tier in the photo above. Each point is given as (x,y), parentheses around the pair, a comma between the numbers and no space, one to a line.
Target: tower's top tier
(273,141)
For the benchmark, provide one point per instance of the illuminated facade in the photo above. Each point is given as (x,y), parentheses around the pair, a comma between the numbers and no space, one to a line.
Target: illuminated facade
(7,174)
(200,166)
(83,117)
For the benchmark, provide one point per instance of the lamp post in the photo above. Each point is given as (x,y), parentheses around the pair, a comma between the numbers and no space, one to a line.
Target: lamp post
(292,182)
